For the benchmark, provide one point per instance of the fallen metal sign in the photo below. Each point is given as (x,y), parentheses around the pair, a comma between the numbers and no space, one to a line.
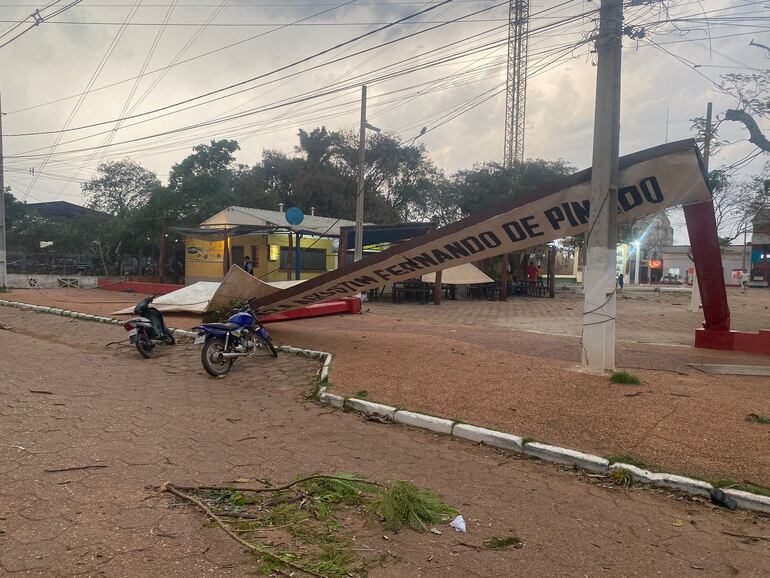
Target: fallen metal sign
(722,369)
(650,181)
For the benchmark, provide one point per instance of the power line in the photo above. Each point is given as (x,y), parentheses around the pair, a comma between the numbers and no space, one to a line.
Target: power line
(37,19)
(276,70)
(91,82)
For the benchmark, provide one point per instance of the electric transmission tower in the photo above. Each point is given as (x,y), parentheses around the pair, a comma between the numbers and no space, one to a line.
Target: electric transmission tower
(516,88)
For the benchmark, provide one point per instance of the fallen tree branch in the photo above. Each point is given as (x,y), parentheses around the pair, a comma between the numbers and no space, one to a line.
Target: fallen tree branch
(272,489)
(747,536)
(168,487)
(755,133)
(74,469)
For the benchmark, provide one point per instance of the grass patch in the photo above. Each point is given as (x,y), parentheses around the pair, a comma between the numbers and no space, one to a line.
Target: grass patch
(362,394)
(313,524)
(525,440)
(743,486)
(404,504)
(627,459)
(624,377)
(621,477)
(501,542)
(756,418)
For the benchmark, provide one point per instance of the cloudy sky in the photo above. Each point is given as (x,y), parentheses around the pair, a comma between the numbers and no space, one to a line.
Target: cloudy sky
(103,60)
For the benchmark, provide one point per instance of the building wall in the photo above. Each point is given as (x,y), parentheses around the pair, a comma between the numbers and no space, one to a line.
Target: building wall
(732,260)
(204,260)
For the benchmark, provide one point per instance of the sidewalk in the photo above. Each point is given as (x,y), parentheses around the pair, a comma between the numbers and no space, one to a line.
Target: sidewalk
(163,419)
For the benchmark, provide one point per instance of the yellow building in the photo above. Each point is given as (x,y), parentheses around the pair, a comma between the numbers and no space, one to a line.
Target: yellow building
(266,238)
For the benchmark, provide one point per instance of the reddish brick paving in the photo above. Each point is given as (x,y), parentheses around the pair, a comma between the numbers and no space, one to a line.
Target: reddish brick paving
(163,419)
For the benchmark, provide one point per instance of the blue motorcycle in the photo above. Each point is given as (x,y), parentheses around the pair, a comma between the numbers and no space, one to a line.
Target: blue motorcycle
(223,343)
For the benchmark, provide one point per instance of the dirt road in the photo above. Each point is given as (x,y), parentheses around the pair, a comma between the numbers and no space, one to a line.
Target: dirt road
(67,401)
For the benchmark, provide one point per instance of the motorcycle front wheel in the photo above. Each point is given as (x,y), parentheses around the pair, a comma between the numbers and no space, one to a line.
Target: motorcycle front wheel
(143,345)
(270,347)
(212,360)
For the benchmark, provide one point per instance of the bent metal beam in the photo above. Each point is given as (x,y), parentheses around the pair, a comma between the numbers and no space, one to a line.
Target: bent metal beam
(650,181)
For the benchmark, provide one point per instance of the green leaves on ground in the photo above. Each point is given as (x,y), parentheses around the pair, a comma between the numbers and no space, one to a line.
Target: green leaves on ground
(624,377)
(756,418)
(313,523)
(502,542)
(404,504)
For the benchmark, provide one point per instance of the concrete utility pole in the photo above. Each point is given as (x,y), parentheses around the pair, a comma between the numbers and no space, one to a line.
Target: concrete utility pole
(695,300)
(359,252)
(3,252)
(598,341)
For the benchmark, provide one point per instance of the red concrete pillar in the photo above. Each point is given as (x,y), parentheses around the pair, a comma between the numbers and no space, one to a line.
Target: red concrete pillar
(706,253)
(437,289)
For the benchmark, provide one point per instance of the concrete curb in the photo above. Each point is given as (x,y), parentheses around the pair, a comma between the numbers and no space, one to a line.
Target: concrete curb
(567,456)
(369,408)
(82,316)
(502,440)
(434,424)
(489,437)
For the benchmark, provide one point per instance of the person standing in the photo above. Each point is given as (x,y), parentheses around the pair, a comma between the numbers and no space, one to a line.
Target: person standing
(248,265)
(744,281)
(621,281)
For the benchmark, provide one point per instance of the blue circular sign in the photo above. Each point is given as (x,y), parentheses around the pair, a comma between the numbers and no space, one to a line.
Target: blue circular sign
(294,216)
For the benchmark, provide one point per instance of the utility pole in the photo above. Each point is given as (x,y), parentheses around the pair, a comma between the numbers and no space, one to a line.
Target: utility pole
(695,299)
(707,137)
(359,252)
(598,341)
(3,252)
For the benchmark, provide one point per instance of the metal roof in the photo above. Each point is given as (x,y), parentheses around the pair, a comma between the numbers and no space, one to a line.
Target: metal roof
(245,216)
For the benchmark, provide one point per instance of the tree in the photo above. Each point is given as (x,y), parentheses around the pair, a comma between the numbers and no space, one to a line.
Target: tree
(200,185)
(119,187)
(752,92)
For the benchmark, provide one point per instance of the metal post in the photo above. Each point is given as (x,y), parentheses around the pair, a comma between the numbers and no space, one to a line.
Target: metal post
(637,265)
(3,253)
(359,253)
(298,257)
(504,273)
(288,260)
(708,136)
(598,341)
(745,235)
(437,289)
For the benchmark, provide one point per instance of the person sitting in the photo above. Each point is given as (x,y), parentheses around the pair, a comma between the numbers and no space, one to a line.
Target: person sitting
(514,286)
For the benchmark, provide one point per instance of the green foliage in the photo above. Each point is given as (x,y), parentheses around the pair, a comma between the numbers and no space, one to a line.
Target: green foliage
(624,377)
(621,477)
(501,542)
(307,526)
(404,504)
(343,487)
(362,394)
(756,418)
(627,459)
(743,486)
(119,187)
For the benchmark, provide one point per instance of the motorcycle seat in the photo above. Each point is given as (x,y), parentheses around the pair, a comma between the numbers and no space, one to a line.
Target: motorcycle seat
(223,326)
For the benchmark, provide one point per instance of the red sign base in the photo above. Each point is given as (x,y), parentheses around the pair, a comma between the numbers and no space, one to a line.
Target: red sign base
(733,341)
(346,305)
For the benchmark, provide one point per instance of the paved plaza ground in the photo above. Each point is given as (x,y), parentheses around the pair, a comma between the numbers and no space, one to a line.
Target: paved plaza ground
(67,400)
(514,366)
